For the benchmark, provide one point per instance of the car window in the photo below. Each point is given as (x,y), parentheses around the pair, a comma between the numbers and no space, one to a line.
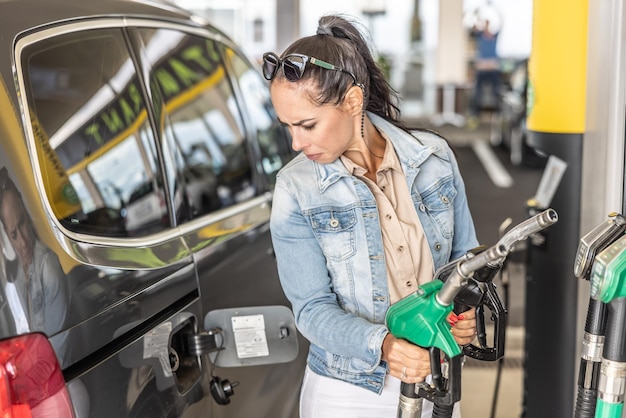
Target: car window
(96,149)
(200,117)
(273,139)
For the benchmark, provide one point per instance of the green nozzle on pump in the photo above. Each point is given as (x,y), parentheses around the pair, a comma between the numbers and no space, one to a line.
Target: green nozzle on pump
(420,319)
(608,277)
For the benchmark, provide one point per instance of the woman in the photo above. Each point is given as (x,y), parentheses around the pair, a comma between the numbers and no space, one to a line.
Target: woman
(362,216)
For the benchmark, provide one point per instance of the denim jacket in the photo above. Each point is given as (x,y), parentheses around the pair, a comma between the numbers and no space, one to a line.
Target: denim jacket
(328,243)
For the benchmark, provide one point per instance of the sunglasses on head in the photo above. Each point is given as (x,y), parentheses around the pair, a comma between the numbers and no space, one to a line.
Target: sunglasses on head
(294,65)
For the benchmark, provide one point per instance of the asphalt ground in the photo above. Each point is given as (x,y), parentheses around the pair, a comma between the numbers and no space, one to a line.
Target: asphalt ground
(496,190)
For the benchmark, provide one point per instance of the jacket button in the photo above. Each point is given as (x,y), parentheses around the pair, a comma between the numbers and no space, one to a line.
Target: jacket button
(422,207)
(438,247)
(334,223)
(445,199)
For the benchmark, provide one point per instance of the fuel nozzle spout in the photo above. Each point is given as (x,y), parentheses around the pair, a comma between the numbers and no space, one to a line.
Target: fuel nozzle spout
(530,226)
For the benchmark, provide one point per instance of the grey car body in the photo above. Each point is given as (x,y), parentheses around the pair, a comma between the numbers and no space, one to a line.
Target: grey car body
(104,103)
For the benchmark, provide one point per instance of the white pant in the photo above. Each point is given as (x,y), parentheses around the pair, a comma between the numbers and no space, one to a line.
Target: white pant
(324,397)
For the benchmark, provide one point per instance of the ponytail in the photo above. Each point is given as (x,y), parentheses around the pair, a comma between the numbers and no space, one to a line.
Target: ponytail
(343,43)
(382,99)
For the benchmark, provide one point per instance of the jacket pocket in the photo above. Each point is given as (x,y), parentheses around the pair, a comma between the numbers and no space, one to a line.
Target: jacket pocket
(439,203)
(334,228)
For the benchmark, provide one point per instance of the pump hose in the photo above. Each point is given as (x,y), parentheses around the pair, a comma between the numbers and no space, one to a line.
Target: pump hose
(591,360)
(586,403)
(496,389)
(442,411)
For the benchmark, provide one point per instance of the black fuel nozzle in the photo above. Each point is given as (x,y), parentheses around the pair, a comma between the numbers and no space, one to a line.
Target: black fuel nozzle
(490,300)
(596,241)
(480,293)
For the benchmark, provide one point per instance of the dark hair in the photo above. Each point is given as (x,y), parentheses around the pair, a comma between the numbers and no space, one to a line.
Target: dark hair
(340,42)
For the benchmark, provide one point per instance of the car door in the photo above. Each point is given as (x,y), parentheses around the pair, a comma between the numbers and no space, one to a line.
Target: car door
(225,175)
(131,285)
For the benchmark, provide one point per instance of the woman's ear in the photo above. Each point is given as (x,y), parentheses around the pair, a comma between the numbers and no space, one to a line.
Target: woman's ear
(354,100)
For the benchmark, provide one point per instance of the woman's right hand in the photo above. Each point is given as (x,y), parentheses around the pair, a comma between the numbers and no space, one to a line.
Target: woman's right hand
(406,361)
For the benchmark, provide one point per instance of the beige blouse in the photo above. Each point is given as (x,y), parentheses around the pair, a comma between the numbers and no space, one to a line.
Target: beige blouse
(407,254)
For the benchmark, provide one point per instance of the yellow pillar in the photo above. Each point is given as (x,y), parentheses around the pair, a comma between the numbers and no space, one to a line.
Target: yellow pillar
(557,67)
(556,124)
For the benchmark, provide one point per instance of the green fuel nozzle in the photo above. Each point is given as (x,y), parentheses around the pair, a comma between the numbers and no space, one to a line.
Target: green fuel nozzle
(421,317)
(608,276)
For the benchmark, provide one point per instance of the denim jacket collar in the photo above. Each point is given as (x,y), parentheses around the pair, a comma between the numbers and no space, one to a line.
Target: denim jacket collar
(411,155)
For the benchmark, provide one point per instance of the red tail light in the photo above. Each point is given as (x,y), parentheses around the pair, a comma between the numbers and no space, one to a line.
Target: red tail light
(31,382)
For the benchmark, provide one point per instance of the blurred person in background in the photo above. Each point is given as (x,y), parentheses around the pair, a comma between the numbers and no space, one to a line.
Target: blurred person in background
(484,31)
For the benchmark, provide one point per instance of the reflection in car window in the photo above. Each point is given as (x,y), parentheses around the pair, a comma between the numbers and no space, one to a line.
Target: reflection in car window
(200,117)
(36,291)
(94,141)
(271,136)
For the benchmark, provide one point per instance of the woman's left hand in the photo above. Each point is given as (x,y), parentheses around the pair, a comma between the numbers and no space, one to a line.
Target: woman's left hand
(463,326)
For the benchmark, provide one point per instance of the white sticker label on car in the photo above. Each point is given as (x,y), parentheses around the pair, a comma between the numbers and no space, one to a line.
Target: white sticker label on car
(250,338)
(156,343)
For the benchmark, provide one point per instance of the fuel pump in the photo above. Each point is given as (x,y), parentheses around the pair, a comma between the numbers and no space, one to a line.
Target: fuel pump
(421,317)
(608,285)
(590,245)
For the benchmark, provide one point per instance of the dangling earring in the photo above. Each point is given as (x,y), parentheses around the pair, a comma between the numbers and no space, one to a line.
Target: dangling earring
(362,112)
(363,134)
(363,123)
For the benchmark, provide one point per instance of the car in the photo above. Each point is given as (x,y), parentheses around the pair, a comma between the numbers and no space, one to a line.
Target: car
(511,130)
(138,155)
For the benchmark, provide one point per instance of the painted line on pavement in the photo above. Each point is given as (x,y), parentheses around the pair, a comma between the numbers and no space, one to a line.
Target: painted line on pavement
(494,168)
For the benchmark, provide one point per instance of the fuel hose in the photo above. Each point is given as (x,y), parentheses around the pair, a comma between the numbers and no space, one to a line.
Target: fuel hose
(610,403)
(591,360)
